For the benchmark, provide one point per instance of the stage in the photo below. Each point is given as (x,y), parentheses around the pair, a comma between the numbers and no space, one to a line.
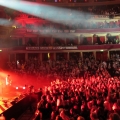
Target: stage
(20,86)
(7,95)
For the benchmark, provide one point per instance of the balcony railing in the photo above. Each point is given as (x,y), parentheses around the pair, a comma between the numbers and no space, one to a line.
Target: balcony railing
(60,48)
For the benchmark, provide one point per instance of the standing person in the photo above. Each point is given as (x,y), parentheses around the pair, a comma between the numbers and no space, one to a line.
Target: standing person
(2,117)
(8,80)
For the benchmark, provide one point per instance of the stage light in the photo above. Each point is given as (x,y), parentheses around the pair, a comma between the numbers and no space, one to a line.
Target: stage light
(0,50)
(14,26)
(48,55)
(16,88)
(23,88)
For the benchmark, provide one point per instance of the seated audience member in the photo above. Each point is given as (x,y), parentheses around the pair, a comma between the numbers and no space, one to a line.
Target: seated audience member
(93,116)
(114,116)
(80,118)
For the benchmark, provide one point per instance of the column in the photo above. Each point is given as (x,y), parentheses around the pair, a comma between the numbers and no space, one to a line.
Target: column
(78,40)
(15,56)
(52,41)
(26,56)
(15,60)
(40,57)
(38,41)
(82,55)
(94,53)
(108,54)
(105,38)
(9,58)
(23,41)
(68,56)
(119,38)
(65,42)
(18,42)
(54,56)
(92,40)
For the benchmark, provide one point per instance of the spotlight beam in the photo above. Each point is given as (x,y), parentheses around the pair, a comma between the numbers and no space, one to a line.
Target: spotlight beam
(5,22)
(51,13)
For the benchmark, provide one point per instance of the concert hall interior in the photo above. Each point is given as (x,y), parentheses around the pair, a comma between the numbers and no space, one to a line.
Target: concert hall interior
(59,59)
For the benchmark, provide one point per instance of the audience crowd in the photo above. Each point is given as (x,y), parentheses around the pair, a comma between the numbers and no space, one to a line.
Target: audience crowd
(64,69)
(82,88)
(92,95)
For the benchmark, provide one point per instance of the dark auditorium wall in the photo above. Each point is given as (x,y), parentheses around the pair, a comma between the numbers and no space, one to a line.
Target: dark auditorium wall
(102,55)
(51,56)
(89,39)
(4,58)
(105,55)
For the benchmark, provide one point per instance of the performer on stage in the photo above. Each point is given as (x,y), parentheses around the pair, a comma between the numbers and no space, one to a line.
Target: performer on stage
(8,81)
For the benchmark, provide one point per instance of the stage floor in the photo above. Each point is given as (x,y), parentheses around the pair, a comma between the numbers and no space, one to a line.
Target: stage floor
(7,95)
(10,93)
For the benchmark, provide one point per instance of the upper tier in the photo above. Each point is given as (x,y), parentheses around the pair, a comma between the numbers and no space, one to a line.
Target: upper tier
(76,2)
